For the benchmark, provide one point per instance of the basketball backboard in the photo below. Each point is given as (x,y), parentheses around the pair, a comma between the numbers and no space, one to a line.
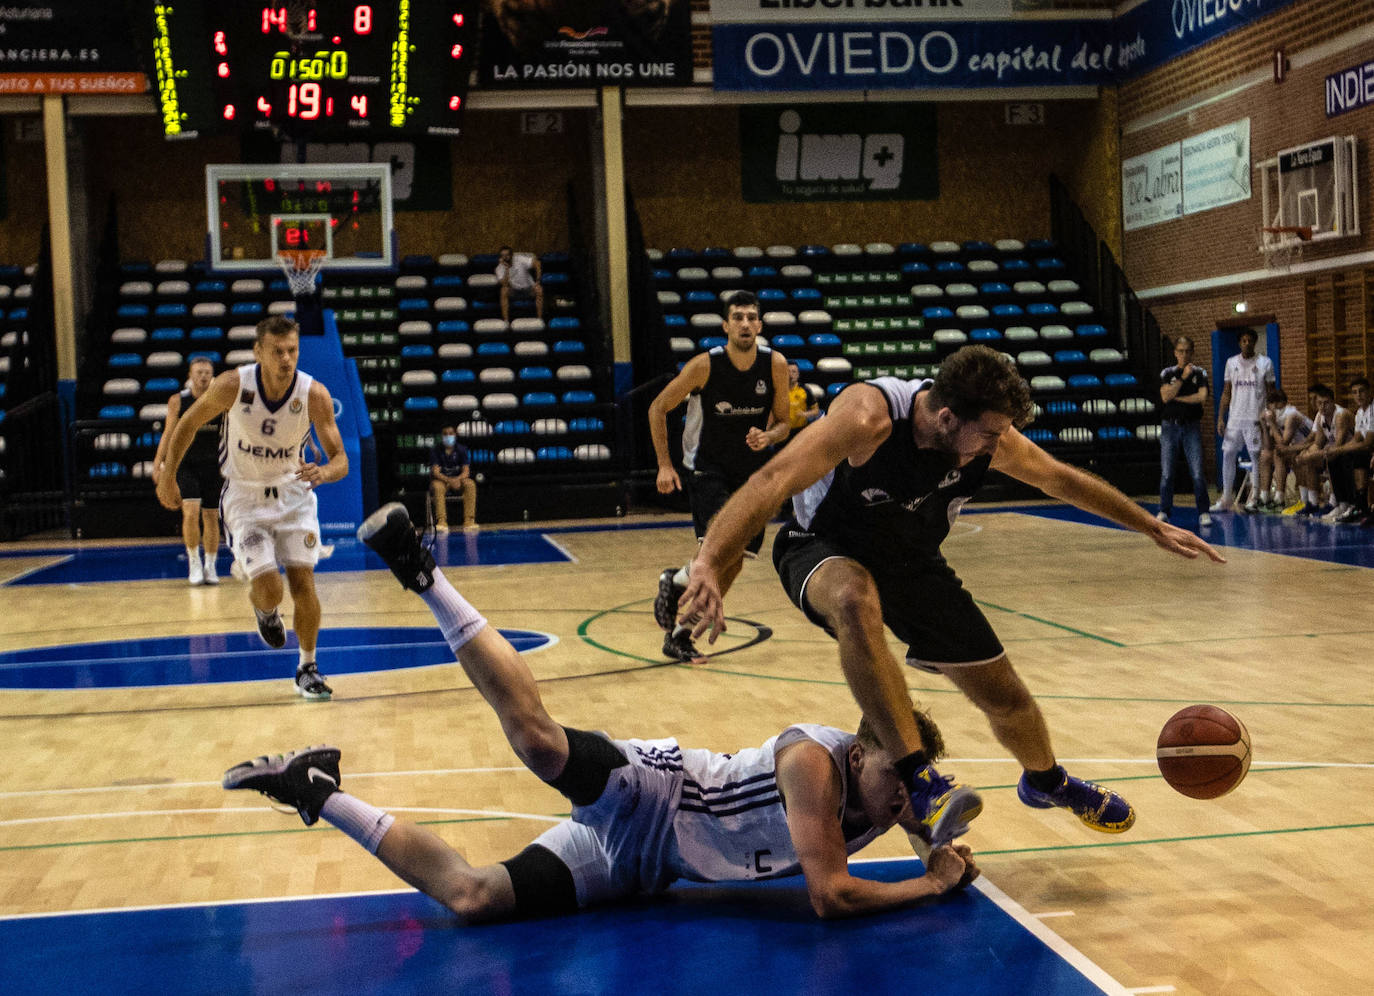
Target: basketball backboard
(255,210)
(1311,186)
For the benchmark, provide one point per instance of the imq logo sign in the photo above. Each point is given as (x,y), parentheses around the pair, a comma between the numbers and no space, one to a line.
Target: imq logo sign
(838,153)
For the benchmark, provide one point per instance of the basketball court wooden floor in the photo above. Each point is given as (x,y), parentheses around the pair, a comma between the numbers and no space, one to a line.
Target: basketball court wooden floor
(124,694)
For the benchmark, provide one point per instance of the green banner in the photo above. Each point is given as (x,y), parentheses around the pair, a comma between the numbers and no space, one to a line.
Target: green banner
(838,152)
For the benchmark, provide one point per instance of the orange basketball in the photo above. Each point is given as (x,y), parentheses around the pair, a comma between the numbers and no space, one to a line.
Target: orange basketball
(1203,751)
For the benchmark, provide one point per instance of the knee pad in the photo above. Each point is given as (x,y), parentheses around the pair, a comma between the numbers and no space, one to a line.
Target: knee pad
(543,884)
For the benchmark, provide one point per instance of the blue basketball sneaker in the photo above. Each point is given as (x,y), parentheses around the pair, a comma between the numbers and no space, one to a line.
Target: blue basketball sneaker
(944,808)
(1098,807)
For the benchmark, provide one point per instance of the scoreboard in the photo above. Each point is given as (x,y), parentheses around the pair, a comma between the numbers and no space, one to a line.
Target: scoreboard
(318,69)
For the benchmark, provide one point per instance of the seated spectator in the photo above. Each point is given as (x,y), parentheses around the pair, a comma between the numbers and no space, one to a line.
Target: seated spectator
(449,471)
(1332,427)
(801,410)
(1354,454)
(519,273)
(1284,432)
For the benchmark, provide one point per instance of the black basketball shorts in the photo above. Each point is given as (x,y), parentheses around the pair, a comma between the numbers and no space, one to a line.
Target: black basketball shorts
(708,494)
(199,480)
(924,604)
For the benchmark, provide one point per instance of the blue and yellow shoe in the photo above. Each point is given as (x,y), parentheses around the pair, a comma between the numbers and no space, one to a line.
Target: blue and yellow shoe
(945,809)
(1098,807)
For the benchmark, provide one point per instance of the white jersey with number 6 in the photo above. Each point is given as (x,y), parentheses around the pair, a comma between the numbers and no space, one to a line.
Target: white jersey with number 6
(262,442)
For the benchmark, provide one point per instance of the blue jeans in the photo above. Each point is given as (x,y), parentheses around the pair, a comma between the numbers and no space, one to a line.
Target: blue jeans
(1172,435)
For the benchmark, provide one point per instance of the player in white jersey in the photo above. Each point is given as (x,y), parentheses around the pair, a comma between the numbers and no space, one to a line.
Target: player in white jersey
(1248,378)
(1349,461)
(1285,431)
(269,505)
(644,812)
(1332,429)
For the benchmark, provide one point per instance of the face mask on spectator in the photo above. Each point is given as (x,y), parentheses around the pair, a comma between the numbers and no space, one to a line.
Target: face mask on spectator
(450,440)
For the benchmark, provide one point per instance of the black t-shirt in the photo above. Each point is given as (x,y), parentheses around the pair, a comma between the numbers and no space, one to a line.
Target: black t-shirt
(721,414)
(204,446)
(450,462)
(1181,411)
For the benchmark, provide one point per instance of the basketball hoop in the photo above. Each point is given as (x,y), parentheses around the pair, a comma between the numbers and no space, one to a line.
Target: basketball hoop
(301,267)
(1282,244)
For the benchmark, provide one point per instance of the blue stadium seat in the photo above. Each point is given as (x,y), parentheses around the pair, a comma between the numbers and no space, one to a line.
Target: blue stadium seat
(569,346)
(1040,435)
(787,340)
(1015,265)
(586,425)
(126,360)
(803,364)
(993,288)
(984,335)
(1007,310)
(1119,380)
(936,313)
(1069,356)
(421,404)
(539,399)
(458,375)
(1039,245)
(1084,381)
(167,333)
(701,297)
(565,322)
(173,309)
(833,389)
(579,398)
(1041,308)
(824,339)
(511,427)
(1091,331)
(484,349)
(132,311)
(210,287)
(771,295)
(413,304)
(664,276)
(762,272)
(207,333)
(246,308)
(1062,407)
(546,453)
(915,267)
(977,245)
(416,351)
(712,341)
(453,326)
(1050,263)
(117,411)
(717,253)
(675,321)
(949,266)
(535,373)
(913,249)
(447,280)
(806,294)
(163,385)
(681,256)
(814,250)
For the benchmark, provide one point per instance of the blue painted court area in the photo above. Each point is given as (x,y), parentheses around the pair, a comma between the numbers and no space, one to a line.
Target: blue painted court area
(149,563)
(221,657)
(759,938)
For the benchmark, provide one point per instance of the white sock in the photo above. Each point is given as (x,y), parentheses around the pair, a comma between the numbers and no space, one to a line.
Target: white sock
(1307,496)
(364,823)
(681,577)
(457,619)
(209,558)
(264,616)
(307,657)
(193,553)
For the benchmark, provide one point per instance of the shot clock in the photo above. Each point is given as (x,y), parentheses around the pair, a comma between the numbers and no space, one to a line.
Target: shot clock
(318,69)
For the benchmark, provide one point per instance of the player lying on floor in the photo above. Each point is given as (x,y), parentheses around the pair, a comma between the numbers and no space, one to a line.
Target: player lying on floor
(644,812)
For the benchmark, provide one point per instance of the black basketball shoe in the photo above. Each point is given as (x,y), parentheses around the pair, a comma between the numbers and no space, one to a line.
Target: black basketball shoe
(309,683)
(679,647)
(389,532)
(303,779)
(272,629)
(665,602)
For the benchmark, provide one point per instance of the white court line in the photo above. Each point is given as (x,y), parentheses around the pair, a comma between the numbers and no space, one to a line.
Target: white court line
(1056,913)
(1152,989)
(558,546)
(423,772)
(43,567)
(75,817)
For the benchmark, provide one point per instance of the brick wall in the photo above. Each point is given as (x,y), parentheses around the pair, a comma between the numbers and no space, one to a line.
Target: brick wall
(1224,241)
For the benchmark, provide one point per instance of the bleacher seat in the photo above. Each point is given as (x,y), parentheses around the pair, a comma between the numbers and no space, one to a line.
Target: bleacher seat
(451,303)
(527,325)
(453,326)
(496,375)
(927,290)
(592,451)
(1007,310)
(1106,355)
(748,252)
(564,323)
(705,320)
(208,309)
(1047,382)
(1062,286)
(491,349)
(784,341)
(126,360)
(568,347)
(239,357)
(1069,357)
(1034,358)
(971,312)
(550,427)
(1041,309)
(128,336)
(824,340)
(460,403)
(164,358)
(539,399)
(984,335)
(834,365)
(417,351)
(579,398)
(1020,333)
(1028,287)
(120,386)
(418,378)
(246,287)
(415,328)
(1076,308)
(500,401)
(455,351)
(281,308)
(950,337)
(1091,331)
(531,347)
(241,333)
(1083,381)
(455,375)
(490,326)
(1120,380)
(944,247)
(574,373)
(712,341)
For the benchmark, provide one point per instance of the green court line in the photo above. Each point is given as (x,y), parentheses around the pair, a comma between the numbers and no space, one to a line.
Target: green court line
(227,833)
(1174,840)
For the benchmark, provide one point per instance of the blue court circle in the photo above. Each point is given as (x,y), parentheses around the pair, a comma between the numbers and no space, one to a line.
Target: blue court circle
(210,658)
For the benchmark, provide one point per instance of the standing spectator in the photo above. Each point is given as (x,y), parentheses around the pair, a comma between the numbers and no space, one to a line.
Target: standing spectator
(736,398)
(1248,379)
(520,274)
(1284,431)
(449,471)
(1183,389)
(198,476)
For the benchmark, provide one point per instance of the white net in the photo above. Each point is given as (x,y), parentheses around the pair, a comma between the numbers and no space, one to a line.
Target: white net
(301,267)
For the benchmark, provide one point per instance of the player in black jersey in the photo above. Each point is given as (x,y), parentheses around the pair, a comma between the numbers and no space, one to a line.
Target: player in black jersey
(737,408)
(878,483)
(198,476)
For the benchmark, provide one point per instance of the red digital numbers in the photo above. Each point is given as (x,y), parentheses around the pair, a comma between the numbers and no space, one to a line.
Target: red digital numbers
(303,101)
(275,19)
(223,70)
(362,20)
(228,112)
(455,102)
(264,106)
(221,46)
(456,51)
(296,237)
(359,103)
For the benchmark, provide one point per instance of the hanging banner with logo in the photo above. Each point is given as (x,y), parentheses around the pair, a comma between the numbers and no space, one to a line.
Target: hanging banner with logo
(586,43)
(791,11)
(828,152)
(835,55)
(1152,187)
(1216,167)
(72,48)
(1350,89)
(1155,31)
